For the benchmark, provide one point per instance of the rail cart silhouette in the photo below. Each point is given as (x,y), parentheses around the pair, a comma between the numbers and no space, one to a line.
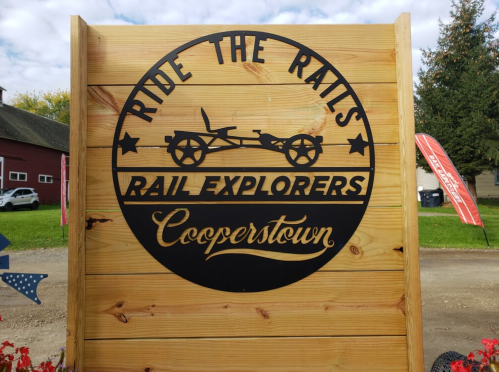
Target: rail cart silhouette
(188,149)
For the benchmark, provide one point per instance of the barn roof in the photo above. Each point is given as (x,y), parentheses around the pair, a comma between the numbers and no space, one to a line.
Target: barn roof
(23,126)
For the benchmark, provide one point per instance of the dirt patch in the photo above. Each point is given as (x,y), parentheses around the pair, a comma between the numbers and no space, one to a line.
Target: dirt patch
(460,297)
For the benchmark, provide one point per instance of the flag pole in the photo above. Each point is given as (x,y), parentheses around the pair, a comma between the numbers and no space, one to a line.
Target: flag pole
(484,233)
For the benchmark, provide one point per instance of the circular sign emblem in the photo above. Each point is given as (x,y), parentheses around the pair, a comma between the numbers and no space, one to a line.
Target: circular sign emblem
(247,198)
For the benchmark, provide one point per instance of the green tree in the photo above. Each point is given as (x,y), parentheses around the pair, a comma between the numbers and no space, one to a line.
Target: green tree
(53,105)
(457,98)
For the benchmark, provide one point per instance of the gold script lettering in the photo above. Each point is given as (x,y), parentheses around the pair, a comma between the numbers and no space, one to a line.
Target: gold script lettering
(280,234)
(164,223)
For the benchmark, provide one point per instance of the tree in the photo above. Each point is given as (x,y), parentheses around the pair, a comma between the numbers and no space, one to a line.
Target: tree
(53,105)
(457,98)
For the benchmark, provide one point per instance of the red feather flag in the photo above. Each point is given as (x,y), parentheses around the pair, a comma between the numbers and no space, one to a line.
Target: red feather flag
(450,179)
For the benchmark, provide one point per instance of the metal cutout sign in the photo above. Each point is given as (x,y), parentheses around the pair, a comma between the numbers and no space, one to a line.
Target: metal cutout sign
(215,213)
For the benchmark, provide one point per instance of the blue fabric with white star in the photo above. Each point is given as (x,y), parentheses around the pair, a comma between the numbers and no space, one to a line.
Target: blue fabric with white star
(24,283)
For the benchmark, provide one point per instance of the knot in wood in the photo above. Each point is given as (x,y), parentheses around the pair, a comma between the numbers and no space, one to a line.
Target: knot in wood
(263,313)
(401,304)
(354,250)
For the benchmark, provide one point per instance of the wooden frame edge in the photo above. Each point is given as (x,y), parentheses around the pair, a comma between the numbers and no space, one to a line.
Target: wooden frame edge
(77,197)
(414,321)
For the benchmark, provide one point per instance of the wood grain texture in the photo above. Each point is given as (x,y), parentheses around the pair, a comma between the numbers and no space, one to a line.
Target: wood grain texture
(101,194)
(410,211)
(249,355)
(77,197)
(165,306)
(281,110)
(123,54)
(137,316)
(113,249)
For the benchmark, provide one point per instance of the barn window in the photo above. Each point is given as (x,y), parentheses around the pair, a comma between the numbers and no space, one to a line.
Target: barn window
(43,178)
(18,176)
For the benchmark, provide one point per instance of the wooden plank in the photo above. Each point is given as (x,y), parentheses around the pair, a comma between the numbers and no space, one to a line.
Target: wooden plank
(113,249)
(332,156)
(309,354)
(101,194)
(77,197)
(165,305)
(283,111)
(410,211)
(123,54)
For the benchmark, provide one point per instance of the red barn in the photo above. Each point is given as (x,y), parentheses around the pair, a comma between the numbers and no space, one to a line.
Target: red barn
(30,152)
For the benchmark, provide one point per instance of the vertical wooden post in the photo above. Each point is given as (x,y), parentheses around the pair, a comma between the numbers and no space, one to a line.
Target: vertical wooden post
(410,210)
(77,197)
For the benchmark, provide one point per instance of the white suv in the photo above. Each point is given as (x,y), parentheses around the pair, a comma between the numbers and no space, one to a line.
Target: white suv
(18,197)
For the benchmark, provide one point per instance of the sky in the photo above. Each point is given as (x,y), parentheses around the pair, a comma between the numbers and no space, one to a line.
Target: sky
(35,34)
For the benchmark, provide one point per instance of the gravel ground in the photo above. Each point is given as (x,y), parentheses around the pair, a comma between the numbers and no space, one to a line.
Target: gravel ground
(460,297)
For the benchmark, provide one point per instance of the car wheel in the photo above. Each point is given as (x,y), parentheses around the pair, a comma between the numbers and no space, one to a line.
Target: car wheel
(9,207)
(34,205)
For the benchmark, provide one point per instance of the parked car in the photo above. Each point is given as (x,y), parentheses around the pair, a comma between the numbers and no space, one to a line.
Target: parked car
(18,197)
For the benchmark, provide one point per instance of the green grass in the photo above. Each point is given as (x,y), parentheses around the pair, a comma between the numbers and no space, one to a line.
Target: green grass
(34,229)
(449,231)
(485,207)
(41,229)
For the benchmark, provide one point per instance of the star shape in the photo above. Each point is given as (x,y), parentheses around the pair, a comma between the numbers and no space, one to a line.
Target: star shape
(189,151)
(302,150)
(128,144)
(358,145)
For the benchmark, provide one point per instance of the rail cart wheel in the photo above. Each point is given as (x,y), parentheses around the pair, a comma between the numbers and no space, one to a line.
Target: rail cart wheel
(301,150)
(188,151)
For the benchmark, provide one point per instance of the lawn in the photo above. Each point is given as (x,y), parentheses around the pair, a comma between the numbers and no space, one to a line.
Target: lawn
(34,229)
(41,228)
(448,231)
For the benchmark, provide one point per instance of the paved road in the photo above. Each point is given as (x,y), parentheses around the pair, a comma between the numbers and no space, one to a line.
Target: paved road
(460,297)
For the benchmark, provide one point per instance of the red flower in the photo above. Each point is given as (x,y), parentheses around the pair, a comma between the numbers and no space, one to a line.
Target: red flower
(46,367)
(471,356)
(24,350)
(456,365)
(460,366)
(6,365)
(24,361)
(489,344)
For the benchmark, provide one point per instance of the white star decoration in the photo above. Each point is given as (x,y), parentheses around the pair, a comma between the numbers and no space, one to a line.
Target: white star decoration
(20,283)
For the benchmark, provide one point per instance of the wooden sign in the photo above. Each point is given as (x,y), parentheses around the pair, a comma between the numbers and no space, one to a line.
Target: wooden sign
(243,199)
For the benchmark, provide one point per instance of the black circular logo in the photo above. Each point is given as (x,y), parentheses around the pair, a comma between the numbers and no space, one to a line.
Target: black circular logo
(246,206)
